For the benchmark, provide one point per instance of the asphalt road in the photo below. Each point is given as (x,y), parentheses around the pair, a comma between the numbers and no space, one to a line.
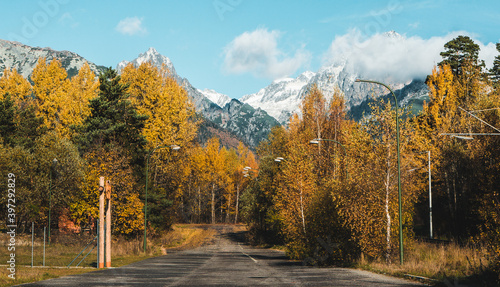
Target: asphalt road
(226,262)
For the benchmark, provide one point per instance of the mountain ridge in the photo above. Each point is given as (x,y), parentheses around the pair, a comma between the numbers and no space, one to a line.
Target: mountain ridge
(282,98)
(245,122)
(248,123)
(24,58)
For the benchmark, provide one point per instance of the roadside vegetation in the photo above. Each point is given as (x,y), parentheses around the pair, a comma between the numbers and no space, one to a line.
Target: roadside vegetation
(66,247)
(325,187)
(439,264)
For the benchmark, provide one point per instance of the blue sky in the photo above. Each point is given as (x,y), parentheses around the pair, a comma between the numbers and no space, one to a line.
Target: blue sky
(237,47)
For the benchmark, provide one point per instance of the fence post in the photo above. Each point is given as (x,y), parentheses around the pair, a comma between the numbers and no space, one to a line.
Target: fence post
(32,241)
(44,245)
(101,221)
(98,254)
(108,224)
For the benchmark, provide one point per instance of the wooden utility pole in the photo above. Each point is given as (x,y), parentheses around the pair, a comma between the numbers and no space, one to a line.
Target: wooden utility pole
(101,222)
(108,224)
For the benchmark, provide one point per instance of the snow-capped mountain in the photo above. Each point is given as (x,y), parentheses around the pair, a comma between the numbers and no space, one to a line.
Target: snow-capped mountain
(283,97)
(249,123)
(24,58)
(280,98)
(219,99)
(232,118)
(151,55)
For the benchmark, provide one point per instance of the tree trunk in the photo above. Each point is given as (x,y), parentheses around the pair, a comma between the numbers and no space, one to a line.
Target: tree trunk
(213,203)
(302,211)
(388,217)
(228,209)
(387,208)
(237,203)
(199,204)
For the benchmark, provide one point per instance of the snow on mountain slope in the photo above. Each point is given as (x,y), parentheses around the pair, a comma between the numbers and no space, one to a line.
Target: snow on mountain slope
(151,55)
(249,124)
(280,98)
(219,99)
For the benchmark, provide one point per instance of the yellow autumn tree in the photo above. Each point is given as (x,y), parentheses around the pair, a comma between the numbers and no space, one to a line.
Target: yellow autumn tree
(246,159)
(81,89)
(295,193)
(166,104)
(214,156)
(14,84)
(127,208)
(50,86)
(371,203)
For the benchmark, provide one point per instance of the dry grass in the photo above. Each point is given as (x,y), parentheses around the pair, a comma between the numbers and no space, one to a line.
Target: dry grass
(438,262)
(64,249)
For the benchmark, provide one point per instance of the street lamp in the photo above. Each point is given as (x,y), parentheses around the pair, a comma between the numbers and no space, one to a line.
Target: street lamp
(172,147)
(399,168)
(316,141)
(54,162)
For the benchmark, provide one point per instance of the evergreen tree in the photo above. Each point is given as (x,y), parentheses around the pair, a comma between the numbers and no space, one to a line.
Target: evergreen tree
(495,71)
(113,120)
(458,52)
(7,124)
(28,126)
(19,125)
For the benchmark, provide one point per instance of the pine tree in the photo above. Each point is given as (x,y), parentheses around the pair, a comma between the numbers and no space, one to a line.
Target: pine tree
(19,125)
(7,124)
(459,51)
(113,120)
(495,70)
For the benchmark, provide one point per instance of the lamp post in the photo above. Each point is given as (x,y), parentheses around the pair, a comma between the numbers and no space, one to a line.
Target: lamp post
(316,141)
(54,162)
(173,147)
(430,193)
(399,168)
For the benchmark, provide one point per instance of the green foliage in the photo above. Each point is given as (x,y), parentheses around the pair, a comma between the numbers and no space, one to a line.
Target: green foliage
(113,120)
(7,124)
(160,217)
(459,51)
(495,70)
(258,208)
(39,183)
(19,125)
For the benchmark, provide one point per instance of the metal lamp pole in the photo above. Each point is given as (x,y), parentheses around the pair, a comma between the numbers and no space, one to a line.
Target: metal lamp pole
(173,147)
(399,169)
(430,194)
(54,162)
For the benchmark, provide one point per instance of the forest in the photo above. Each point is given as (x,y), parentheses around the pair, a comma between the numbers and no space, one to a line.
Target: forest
(325,185)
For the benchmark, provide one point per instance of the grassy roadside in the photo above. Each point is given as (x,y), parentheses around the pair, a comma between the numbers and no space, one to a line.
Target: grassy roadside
(442,264)
(64,249)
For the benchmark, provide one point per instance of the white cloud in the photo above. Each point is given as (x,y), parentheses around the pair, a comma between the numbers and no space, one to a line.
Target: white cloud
(397,57)
(414,25)
(488,53)
(67,20)
(131,26)
(257,52)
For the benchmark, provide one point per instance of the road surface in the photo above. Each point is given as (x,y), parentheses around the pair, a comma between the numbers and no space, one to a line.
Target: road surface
(225,262)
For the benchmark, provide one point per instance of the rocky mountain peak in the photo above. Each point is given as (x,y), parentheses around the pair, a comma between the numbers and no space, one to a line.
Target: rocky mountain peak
(152,56)
(24,58)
